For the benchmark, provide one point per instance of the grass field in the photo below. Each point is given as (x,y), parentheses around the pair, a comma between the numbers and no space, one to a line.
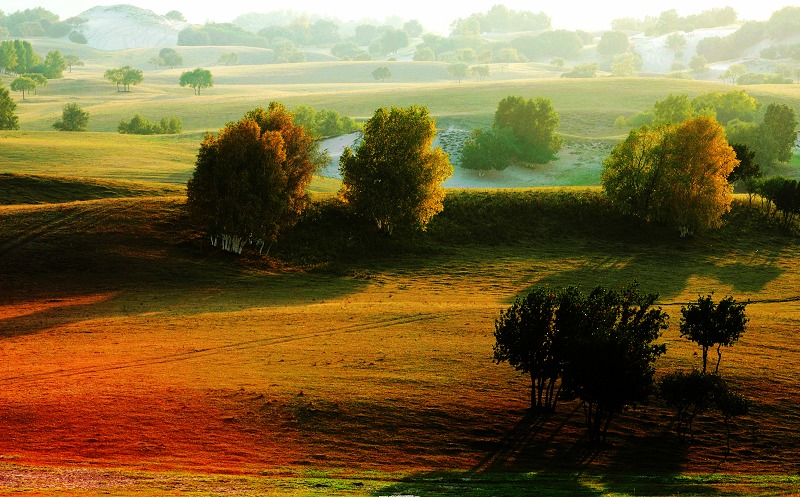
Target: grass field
(135,360)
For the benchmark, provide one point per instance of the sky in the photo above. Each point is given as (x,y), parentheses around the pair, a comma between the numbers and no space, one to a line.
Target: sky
(434,15)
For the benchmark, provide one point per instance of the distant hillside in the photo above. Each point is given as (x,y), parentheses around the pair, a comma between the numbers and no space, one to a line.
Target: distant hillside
(120,27)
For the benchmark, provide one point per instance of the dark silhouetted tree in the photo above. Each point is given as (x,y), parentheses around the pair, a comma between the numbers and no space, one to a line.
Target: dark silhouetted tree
(708,323)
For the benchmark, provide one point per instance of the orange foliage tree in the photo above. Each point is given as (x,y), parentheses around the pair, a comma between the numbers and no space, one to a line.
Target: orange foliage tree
(250,180)
(673,174)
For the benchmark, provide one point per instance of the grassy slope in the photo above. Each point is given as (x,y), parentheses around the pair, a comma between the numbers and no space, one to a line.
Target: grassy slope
(125,345)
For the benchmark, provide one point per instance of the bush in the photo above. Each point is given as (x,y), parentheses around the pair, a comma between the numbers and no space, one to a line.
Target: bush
(141,126)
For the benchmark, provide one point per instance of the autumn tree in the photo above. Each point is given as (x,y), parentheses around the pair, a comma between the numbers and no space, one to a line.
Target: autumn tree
(73,118)
(708,323)
(674,174)
(197,79)
(533,123)
(8,119)
(250,180)
(394,176)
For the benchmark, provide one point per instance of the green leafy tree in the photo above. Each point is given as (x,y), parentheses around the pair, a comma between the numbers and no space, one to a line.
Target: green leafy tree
(8,119)
(27,58)
(124,77)
(558,62)
(197,79)
(174,15)
(458,70)
(533,123)
(54,65)
(38,80)
(171,57)
(585,70)
(609,351)
(138,125)
(772,139)
(381,73)
(726,106)
(675,174)
(674,109)
(72,60)
(250,180)
(8,56)
(488,149)
(73,118)
(508,55)
(229,59)
(413,28)
(525,337)
(23,84)
(393,40)
(747,168)
(394,177)
(708,323)
(612,43)
(699,65)
(625,65)
(480,72)
(424,54)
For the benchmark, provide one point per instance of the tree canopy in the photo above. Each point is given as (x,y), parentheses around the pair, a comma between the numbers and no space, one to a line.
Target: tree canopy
(124,77)
(394,176)
(709,323)
(73,118)
(250,180)
(533,123)
(198,79)
(674,174)
(8,119)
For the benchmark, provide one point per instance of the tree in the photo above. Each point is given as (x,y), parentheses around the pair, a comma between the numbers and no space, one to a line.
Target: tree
(747,168)
(38,80)
(381,73)
(674,109)
(171,57)
(480,72)
(8,56)
(675,174)
(608,348)
(708,323)
(779,129)
(533,123)
(734,72)
(73,118)
(458,70)
(525,337)
(72,60)
(508,55)
(197,79)
(23,84)
(8,119)
(699,65)
(676,42)
(124,77)
(230,58)
(250,180)
(726,106)
(488,149)
(424,55)
(174,15)
(690,394)
(625,65)
(558,62)
(394,177)
(54,65)
(585,70)
(413,28)
(612,43)
(393,40)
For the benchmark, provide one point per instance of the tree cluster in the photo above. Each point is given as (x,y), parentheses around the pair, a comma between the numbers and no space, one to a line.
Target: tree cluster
(772,139)
(669,21)
(168,57)
(674,174)
(197,79)
(522,131)
(250,180)
(138,125)
(601,349)
(124,77)
(324,122)
(598,347)
(500,19)
(36,22)
(781,195)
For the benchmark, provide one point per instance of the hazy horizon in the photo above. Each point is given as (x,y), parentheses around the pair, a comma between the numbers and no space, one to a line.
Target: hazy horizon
(567,14)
